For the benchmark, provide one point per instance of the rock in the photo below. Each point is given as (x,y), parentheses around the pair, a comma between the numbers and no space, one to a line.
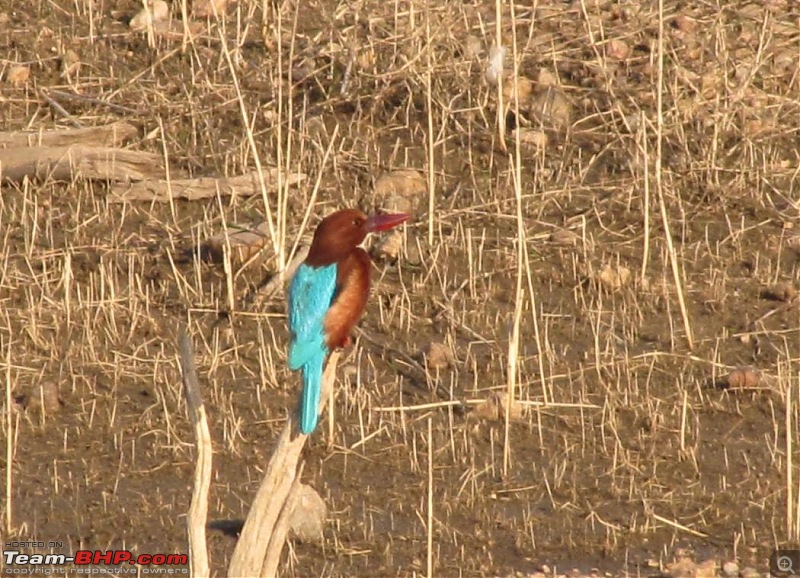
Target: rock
(309,513)
(44,399)
(550,106)
(437,355)
(473,47)
(545,78)
(523,87)
(495,65)
(781,292)
(685,23)
(206,8)
(707,569)
(532,137)
(744,377)
(70,64)
(565,237)
(390,246)
(618,49)
(495,406)
(614,276)
(18,75)
(154,11)
(683,567)
(730,569)
(401,191)
(245,242)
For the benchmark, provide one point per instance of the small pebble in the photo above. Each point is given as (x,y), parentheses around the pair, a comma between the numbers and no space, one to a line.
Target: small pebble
(565,237)
(391,245)
(730,569)
(18,75)
(437,355)
(743,378)
(551,107)
(614,277)
(401,190)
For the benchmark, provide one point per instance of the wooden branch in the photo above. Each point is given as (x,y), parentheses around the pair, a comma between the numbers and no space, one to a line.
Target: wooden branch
(110,135)
(65,163)
(279,279)
(272,556)
(250,556)
(198,510)
(200,188)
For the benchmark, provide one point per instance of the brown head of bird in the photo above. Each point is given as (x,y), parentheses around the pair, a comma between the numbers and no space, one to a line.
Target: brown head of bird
(340,232)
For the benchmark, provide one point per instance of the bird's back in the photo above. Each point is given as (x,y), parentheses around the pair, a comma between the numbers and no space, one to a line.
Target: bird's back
(310,296)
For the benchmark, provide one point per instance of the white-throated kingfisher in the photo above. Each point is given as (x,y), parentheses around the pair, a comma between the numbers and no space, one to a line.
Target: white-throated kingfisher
(327,296)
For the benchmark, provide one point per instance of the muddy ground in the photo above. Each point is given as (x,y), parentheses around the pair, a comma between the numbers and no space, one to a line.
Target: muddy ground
(644,445)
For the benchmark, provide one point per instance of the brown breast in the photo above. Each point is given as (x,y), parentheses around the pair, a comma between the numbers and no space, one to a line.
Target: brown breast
(352,291)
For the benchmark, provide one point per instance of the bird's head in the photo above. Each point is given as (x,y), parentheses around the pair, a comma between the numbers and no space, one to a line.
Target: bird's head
(342,231)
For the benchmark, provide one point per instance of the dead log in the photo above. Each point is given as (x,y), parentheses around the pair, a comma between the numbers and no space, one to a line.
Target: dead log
(65,163)
(198,510)
(110,135)
(200,188)
(263,536)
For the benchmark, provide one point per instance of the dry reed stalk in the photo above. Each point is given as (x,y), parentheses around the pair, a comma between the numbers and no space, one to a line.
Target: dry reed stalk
(790,513)
(521,264)
(226,258)
(431,140)
(673,257)
(9,445)
(684,417)
(678,526)
(792,409)
(315,191)
(277,246)
(430,501)
(646,198)
(250,556)
(457,403)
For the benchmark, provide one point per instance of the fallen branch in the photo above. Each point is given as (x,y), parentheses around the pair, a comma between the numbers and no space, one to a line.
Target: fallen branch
(110,135)
(198,510)
(65,163)
(263,534)
(279,279)
(200,188)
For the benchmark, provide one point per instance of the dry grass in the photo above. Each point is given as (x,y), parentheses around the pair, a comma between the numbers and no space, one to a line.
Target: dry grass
(679,164)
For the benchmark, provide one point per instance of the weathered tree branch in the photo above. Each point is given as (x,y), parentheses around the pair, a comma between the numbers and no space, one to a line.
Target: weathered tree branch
(65,163)
(110,135)
(200,188)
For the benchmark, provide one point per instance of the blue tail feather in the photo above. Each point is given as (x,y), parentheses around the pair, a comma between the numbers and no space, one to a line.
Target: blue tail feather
(301,352)
(312,386)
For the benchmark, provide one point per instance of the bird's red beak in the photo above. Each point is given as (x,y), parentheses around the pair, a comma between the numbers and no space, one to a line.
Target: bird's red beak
(381,222)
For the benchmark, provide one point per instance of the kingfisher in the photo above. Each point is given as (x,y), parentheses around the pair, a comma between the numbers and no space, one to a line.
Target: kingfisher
(327,296)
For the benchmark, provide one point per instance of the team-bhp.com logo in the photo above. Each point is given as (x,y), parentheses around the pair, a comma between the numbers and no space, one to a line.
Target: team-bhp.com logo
(87,561)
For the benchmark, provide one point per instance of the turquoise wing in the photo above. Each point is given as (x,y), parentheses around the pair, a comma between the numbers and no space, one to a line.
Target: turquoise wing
(310,296)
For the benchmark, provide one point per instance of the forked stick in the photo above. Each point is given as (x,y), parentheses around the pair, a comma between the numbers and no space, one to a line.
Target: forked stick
(263,532)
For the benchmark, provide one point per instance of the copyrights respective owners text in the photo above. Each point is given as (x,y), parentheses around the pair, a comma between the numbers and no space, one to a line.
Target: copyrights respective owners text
(40,558)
